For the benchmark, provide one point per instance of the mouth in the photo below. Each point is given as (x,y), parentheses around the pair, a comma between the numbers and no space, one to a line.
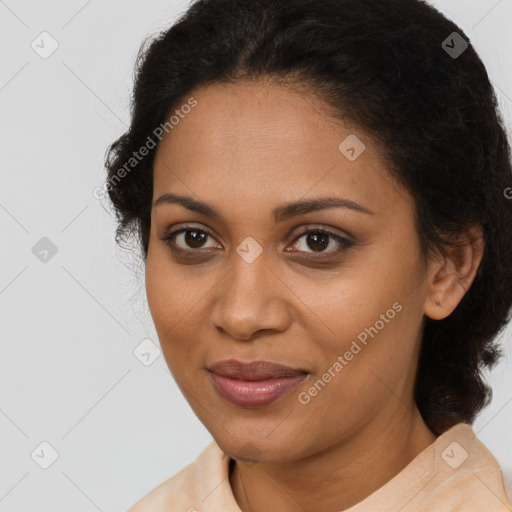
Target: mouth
(254,384)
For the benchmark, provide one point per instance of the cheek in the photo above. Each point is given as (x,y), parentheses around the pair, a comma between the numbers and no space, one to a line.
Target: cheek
(157,291)
(171,295)
(372,361)
(175,303)
(367,329)
(164,304)
(340,310)
(357,382)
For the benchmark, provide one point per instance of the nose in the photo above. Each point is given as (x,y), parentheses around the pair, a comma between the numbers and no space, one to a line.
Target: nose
(251,299)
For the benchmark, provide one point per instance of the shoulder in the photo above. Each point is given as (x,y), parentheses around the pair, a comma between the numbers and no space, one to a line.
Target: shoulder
(176,493)
(456,473)
(466,476)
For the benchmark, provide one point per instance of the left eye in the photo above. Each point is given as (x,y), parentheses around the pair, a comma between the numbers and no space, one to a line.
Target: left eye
(318,240)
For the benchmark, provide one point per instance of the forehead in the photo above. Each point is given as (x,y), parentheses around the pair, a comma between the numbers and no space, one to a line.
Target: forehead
(267,143)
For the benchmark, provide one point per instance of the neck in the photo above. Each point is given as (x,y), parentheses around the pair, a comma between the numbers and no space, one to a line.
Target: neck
(337,478)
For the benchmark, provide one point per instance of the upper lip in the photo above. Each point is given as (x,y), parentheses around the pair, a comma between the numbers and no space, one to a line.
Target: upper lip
(255,370)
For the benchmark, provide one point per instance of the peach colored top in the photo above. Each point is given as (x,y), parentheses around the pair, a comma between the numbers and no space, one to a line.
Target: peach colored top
(457,473)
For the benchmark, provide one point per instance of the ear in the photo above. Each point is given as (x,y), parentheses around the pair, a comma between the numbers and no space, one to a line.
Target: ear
(450,276)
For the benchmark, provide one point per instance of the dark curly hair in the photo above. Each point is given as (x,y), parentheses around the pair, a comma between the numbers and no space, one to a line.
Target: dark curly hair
(386,65)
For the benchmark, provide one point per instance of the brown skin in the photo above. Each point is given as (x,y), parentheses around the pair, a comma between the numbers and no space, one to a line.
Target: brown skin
(247,148)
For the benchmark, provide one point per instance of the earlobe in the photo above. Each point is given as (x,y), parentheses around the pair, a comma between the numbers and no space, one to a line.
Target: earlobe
(450,276)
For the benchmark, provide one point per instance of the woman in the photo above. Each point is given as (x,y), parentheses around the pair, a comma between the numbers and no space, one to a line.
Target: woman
(319,189)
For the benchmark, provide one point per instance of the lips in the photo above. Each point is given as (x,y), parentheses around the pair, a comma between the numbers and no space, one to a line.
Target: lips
(254,384)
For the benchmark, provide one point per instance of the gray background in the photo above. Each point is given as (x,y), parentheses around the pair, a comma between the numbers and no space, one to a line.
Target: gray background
(70,324)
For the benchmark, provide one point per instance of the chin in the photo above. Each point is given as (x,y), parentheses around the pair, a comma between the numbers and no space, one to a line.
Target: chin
(259,450)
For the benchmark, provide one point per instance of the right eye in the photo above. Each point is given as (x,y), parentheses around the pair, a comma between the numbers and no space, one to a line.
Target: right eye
(190,238)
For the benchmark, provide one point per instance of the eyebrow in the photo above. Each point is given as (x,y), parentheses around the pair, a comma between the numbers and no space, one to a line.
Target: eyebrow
(280,213)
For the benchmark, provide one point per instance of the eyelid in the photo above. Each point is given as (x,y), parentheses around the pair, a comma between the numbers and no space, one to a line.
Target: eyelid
(302,230)
(180,228)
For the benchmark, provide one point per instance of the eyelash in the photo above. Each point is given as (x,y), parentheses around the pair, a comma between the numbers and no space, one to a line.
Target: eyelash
(344,243)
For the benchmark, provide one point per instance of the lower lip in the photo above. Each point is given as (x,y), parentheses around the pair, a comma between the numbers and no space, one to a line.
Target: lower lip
(254,393)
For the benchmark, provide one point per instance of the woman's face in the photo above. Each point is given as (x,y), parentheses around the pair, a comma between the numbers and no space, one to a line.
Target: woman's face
(247,286)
